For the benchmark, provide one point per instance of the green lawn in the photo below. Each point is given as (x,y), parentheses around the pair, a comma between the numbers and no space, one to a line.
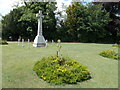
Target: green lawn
(18,62)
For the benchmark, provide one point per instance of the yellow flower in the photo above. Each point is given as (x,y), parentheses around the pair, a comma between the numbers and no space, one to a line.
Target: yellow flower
(59,69)
(44,78)
(62,70)
(54,60)
(58,40)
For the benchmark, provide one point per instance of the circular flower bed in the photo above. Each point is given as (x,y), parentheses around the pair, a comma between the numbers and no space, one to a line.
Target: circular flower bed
(60,70)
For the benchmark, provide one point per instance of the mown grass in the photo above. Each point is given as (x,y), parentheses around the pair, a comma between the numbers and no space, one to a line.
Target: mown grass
(18,62)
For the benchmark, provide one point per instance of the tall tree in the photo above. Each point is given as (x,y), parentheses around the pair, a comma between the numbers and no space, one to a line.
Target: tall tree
(75,13)
(113,27)
(22,21)
(10,24)
(49,20)
(86,23)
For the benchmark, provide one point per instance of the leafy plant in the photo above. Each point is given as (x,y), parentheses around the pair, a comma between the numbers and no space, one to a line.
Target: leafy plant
(59,70)
(115,45)
(109,54)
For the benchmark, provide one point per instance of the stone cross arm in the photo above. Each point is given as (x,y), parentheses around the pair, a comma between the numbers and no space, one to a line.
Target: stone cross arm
(39,15)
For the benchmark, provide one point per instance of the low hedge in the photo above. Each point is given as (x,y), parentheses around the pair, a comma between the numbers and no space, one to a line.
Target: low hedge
(116,45)
(59,70)
(109,54)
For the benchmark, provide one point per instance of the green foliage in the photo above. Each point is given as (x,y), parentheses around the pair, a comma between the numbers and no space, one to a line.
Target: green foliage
(109,54)
(0,29)
(10,25)
(49,21)
(3,42)
(113,27)
(17,22)
(86,23)
(60,70)
(115,45)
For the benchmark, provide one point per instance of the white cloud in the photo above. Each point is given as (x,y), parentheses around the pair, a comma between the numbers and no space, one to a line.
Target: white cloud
(7,5)
(59,3)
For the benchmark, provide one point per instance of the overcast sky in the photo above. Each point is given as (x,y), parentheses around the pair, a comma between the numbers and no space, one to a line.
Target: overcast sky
(7,5)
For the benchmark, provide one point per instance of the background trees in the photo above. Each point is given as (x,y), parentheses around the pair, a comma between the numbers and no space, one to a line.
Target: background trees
(10,25)
(87,23)
(84,23)
(49,20)
(22,21)
(113,26)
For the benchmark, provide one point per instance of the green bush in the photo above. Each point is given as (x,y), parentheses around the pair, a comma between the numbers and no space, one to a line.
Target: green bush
(115,45)
(59,70)
(109,54)
(3,42)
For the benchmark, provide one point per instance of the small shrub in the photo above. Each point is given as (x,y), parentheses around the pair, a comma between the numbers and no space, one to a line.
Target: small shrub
(3,42)
(109,54)
(59,70)
(115,45)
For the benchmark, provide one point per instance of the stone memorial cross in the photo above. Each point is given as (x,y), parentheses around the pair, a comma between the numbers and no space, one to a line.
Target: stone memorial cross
(39,40)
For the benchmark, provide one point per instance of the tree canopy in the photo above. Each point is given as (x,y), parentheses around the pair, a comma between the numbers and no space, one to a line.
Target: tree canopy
(84,23)
(23,22)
